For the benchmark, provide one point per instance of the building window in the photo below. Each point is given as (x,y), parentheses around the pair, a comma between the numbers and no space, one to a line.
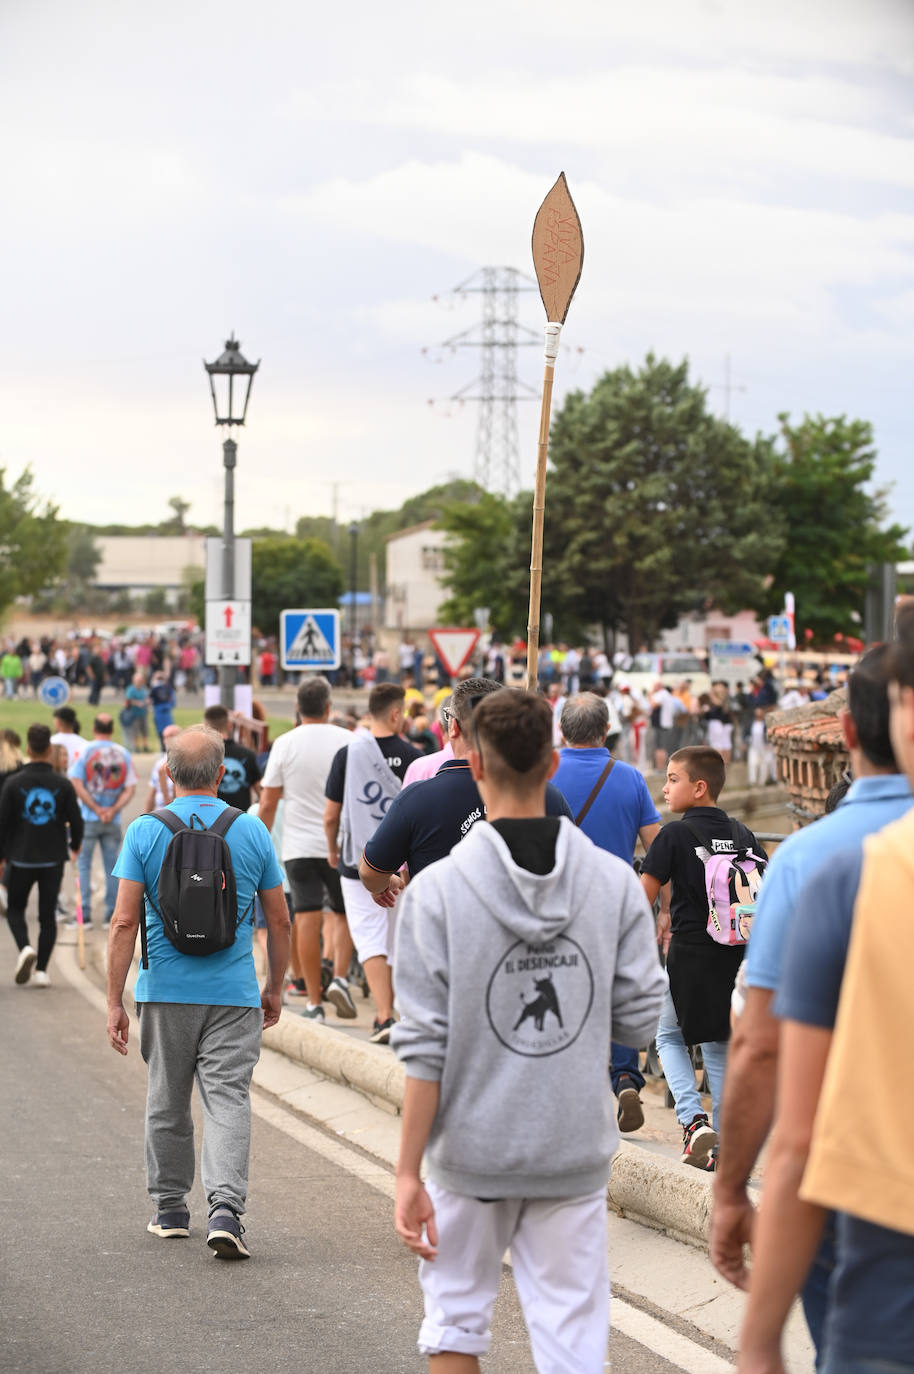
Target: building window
(432,558)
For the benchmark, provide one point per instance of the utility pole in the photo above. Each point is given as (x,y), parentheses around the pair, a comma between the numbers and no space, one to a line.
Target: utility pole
(727,386)
(499,334)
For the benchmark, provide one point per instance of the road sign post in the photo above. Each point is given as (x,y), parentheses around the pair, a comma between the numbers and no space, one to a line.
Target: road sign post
(309,640)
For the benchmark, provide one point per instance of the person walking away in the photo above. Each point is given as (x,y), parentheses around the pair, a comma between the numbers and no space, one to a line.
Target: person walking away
(759,750)
(701,971)
(95,668)
(162,696)
(504,1036)
(297,772)
(364,779)
(39,821)
(879,795)
(135,715)
(200,1018)
(105,781)
(665,710)
(240,783)
(611,804)
(66,733)
(720,722)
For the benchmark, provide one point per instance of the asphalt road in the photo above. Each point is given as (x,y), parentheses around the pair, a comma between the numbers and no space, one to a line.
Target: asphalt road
(329,1290)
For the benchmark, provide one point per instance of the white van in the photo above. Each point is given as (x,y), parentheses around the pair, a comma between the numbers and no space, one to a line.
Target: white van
(670,669)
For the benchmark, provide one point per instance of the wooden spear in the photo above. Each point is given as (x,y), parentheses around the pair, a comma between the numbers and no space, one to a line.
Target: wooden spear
(558,254)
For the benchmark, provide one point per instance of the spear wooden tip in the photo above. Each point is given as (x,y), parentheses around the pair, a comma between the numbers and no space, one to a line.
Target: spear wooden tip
(558,250)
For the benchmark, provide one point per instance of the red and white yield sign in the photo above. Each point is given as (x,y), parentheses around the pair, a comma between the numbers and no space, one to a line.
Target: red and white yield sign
(453,647)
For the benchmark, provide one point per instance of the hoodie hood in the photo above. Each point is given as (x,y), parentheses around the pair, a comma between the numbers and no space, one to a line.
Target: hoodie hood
(547,901)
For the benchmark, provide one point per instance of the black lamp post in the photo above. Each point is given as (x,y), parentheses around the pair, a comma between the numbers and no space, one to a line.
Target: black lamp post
(353,583)
(230,379)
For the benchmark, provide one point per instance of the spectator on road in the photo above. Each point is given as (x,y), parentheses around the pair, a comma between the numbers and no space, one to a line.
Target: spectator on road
(39,821)
(198,1017)
(240,783)
(162,697)
(504,1038)
(701,972)
(135,715)
(297,772)
(611,804)
(878,796)
(364,779)
(11,673)
(421,769)
(161,788)
(105,781)
(66,733)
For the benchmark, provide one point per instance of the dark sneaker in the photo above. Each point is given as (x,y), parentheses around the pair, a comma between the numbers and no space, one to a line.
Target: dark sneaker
(170,1224)
(224,1235)
(630,1115)
(313,1014)
(711,1166)
(296,989)
(74,925)
(24,965)
(341,998)
(697,1141)
(326,975)
(380,1031)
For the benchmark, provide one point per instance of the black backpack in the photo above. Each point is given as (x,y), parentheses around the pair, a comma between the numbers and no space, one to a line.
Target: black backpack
(197,896)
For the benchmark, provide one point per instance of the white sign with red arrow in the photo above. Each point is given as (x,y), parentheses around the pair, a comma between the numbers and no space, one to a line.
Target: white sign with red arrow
(453,647)
(228,632)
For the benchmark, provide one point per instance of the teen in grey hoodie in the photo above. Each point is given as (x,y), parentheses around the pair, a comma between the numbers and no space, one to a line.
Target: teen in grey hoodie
(512,986)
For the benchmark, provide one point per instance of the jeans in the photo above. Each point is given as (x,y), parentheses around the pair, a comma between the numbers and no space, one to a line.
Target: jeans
(109,837)
(860,1364)
(625,1065)
(814,1293)
(679,1071)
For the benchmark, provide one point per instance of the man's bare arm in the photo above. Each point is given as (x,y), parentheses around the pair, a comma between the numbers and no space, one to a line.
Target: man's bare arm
(121,943)
(648,834)
(269,800)
(276,914)
(746,1115)
(332,812)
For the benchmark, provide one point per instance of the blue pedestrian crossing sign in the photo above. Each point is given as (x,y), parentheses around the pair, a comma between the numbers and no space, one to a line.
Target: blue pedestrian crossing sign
(779,629)
(309,639)
(54,691)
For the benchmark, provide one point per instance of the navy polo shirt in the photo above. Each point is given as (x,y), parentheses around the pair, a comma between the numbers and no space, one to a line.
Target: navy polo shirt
(426,820)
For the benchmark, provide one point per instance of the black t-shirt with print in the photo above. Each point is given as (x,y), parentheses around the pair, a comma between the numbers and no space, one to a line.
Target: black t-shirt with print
(672,857)
(241,772)
(399,754)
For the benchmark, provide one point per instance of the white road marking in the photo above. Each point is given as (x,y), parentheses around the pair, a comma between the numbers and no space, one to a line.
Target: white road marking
(630,1321)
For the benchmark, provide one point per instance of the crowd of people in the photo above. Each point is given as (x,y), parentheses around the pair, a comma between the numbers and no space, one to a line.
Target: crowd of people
(511,963)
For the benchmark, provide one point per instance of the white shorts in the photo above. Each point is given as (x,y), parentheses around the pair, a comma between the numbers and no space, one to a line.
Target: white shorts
(561,1270)
(720,736)
(371,926)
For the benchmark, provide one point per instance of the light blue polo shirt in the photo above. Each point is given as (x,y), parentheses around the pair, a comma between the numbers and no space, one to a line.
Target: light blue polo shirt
(227,978)
(870,804)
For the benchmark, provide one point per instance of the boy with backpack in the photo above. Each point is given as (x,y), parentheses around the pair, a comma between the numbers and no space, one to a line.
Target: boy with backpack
(188,876)
(519,958)
(715,866)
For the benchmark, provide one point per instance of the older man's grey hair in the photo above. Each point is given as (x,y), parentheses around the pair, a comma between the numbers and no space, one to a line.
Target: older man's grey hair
(585,720)
(313,696)
(194,757)
(444,711)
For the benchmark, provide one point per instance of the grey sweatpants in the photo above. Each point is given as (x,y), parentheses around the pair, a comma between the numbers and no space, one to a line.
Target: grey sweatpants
(218,1046)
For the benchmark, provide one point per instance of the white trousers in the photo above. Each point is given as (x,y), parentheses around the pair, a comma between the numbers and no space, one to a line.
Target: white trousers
(561,1270)
(371,926)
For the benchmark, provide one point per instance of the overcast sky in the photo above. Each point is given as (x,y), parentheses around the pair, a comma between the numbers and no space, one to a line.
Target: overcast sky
(314,176)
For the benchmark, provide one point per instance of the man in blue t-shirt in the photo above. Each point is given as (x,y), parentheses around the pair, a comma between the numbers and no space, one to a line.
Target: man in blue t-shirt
(198,1016)
(610,802)
(878,796)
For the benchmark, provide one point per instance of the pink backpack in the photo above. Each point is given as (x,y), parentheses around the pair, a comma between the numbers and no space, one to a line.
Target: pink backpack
(733,877)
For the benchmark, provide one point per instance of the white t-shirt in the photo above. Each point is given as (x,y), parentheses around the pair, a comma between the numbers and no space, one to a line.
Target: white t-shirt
(74,745)
(299,763)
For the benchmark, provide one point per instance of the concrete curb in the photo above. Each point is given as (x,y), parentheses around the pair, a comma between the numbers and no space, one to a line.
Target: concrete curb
(646,1187)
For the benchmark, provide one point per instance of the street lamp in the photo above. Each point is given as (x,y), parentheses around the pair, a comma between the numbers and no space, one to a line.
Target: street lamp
(227,377)
(353,582)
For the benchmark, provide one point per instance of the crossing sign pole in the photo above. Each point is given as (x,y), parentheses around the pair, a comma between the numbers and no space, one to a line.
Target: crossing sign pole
(310,639)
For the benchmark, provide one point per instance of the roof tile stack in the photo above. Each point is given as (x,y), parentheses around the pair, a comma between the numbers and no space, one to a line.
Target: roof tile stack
(809,745)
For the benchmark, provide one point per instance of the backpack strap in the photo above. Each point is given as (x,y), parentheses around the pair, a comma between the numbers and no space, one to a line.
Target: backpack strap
(595,793)
(169,820)
(702,839)
(222,822)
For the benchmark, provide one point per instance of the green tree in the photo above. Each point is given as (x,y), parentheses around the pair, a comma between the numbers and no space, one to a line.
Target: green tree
(487,561)
(654,506)
(288,573)
(33,541)
(834,524)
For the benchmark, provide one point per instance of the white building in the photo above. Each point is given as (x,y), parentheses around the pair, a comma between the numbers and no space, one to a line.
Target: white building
(415,563)
(143,563)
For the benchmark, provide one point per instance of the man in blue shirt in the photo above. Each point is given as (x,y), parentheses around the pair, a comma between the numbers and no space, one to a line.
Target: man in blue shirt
(199,1017)
(620,811)
(105,781)
(879,795)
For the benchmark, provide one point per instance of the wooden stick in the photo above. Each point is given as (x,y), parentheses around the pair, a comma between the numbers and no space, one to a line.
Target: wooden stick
(80,932)
(539,509)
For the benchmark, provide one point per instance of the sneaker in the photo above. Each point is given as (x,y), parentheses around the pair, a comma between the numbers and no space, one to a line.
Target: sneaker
(170,1224)
(3,900)
(697,1141)
(74,925)
(223,1235)
(313,1014)
(296,988)
(24,965)
(40,979)
(326,975)
(630,1114)
(380,1031)
(338,993)
(711,1166)
(62,908)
